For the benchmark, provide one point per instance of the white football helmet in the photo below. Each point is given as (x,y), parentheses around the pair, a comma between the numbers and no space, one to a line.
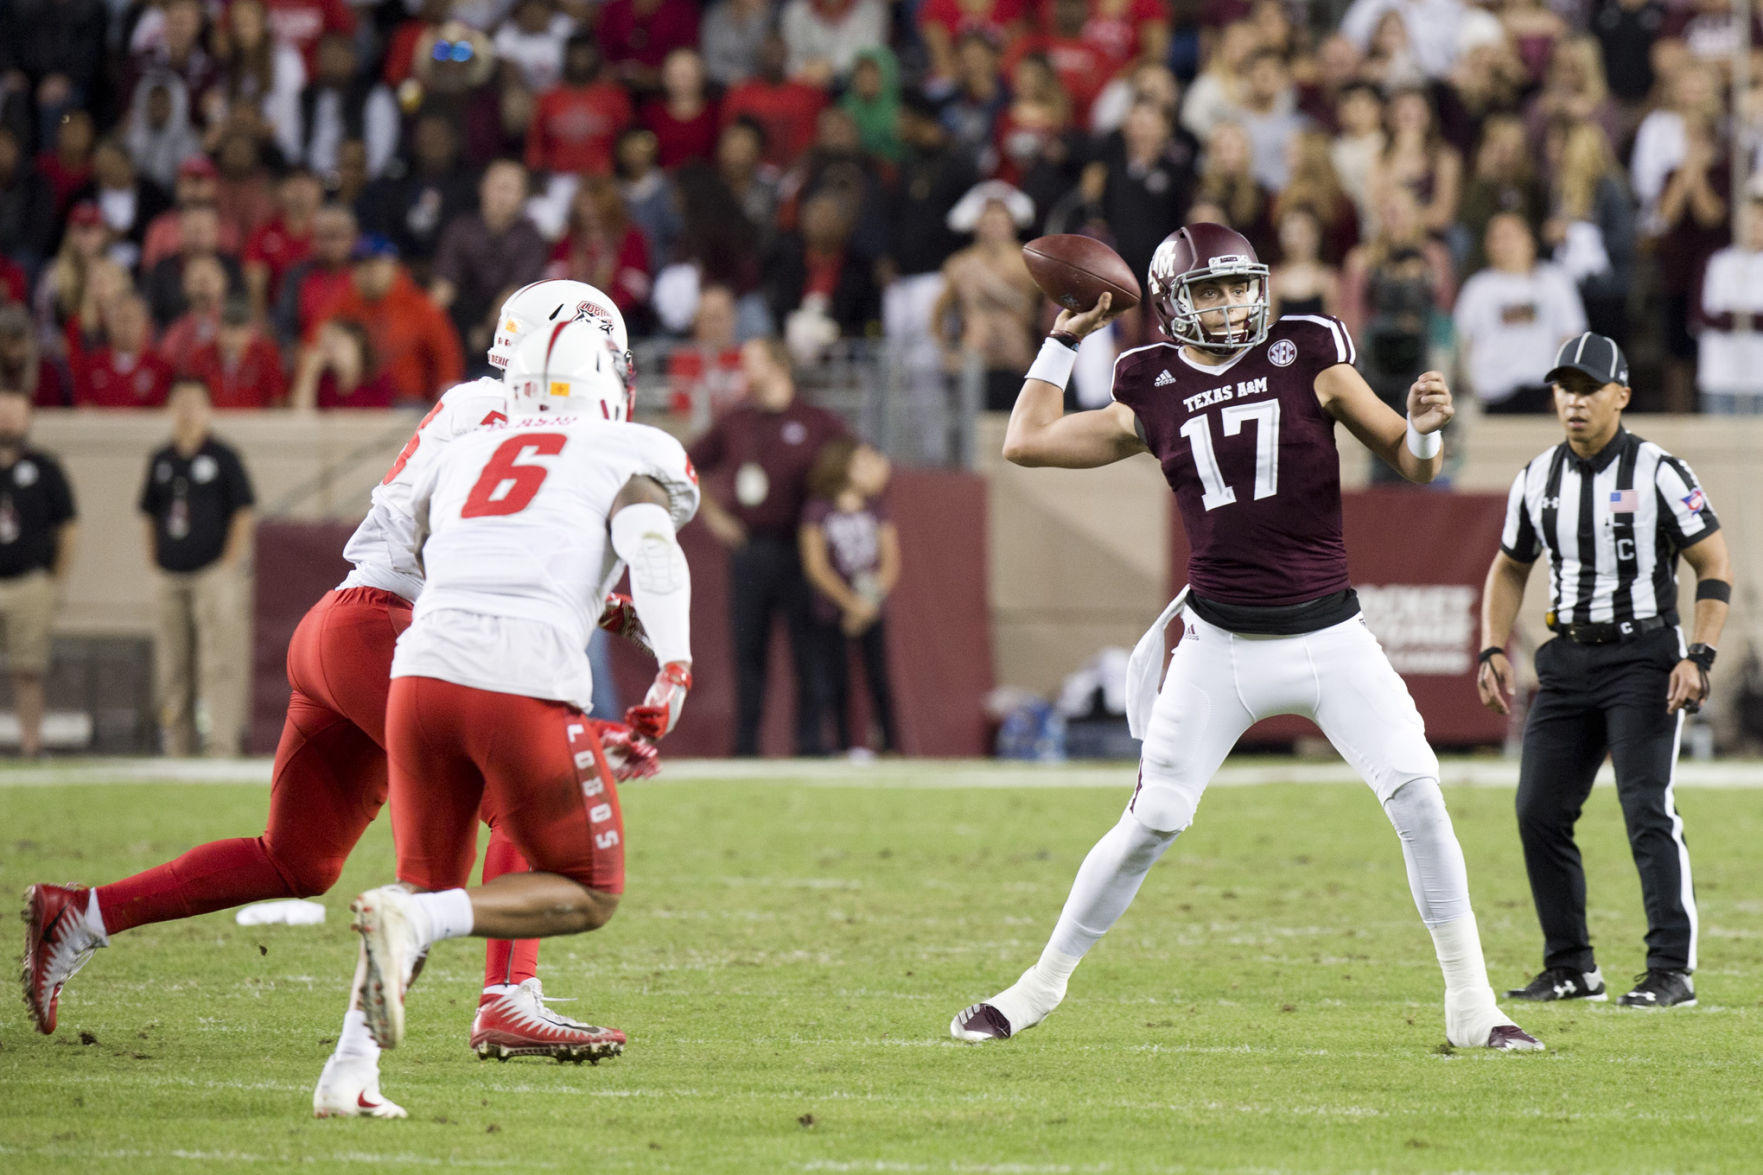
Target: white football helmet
(546,303)
(568,368)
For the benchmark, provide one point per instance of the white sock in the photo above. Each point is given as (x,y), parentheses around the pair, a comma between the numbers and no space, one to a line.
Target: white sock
(94,920)
(1105,886)
(1458,944)
(355,1040)
(500,988)
(448,912)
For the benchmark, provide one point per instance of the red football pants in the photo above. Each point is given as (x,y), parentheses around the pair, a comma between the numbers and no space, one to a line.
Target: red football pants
(329,782)
(535,769)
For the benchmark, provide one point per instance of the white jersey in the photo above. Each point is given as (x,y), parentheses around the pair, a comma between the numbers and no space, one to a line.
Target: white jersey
(518,555)
(384,547)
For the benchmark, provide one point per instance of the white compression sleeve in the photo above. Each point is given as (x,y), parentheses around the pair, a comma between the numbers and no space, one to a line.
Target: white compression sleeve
(1106,884)
(661,583)
(1436,873)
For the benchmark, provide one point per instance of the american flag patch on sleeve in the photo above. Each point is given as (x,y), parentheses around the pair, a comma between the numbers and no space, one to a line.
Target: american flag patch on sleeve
(1624,501)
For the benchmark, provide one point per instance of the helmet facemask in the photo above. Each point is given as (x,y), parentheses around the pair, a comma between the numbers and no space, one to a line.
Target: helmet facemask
(1173,299)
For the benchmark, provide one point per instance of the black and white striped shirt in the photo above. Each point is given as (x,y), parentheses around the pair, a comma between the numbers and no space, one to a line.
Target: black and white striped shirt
(1613,527)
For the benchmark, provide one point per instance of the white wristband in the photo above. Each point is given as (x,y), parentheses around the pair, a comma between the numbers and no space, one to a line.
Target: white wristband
(1053,364)
(1425,446)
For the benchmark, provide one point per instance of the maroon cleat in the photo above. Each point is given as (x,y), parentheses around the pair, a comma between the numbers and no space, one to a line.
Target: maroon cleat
(1512,1039)
(980,1022)
(56,945)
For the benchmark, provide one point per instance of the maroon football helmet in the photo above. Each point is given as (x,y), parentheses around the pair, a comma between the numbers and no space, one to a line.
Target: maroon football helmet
(1204,252)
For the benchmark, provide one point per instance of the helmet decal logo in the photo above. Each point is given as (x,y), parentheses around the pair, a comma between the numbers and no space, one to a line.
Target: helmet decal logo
(560,387)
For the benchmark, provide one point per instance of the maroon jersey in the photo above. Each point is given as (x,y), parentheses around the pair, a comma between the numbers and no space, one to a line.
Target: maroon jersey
(1251,457)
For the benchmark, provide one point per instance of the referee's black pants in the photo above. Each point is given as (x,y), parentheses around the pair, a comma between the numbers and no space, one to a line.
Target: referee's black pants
(1593,699)
(765,578)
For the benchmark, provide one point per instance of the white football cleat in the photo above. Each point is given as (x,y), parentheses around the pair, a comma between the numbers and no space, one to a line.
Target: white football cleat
(349,1087)
(386,920)
(517,1023)
(1017,1008)
(57,943)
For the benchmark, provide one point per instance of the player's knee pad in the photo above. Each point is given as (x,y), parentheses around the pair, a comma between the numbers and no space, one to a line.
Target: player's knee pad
(1417,810)
(1161,804)
(306,877)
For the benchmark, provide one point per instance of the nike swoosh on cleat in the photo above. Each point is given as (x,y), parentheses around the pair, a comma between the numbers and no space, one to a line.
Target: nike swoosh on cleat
(361,1100)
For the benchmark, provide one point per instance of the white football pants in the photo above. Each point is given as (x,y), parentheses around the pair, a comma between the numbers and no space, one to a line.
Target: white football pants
(1220,683)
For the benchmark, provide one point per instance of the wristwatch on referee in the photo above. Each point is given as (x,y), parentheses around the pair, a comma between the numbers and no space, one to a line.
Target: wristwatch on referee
(1702,655)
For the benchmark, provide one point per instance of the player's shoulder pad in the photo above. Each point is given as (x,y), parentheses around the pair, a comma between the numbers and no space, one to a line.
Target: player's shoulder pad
(1130,362)
(473,404)
(1321,340)
(661,456)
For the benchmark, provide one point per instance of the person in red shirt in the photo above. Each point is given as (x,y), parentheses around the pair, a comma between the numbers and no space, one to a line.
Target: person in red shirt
(68,168)
(575,124)
(787,111)
(684,117)
(603,248)
(126,372)
(205,288)
(198,183)
(413,339)
(704,376)
(300,23)
(319,280)
(1083,65)
(240,365)
(285,241)
(637,36)
(941,23)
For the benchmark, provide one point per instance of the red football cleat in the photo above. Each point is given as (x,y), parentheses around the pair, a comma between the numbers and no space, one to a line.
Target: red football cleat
(518,1024)
(56,945)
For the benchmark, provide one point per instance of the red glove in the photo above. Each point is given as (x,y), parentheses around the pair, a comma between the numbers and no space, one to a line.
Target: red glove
(620,619)
(659,712)
(629,754)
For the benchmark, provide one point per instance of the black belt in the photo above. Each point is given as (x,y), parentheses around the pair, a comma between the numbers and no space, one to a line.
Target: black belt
(1608,633)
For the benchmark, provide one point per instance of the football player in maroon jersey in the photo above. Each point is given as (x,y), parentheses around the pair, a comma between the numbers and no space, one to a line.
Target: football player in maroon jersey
(1240,413)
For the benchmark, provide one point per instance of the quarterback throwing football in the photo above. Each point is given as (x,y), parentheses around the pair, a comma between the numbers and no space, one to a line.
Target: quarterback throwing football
(1240,413)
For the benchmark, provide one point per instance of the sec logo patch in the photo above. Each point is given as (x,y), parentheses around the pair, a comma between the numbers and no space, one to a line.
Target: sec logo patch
(1283,353)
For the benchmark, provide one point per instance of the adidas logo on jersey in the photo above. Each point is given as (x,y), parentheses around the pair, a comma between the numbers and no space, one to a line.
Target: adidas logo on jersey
(1163,380)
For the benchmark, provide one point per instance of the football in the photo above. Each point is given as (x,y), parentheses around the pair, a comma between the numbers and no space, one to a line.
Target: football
(1076,271)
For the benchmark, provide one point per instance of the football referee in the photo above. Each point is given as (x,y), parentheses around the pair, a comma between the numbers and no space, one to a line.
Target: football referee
(1613,512)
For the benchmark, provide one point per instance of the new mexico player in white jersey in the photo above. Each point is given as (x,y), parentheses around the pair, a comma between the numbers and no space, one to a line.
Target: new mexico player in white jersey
(329,778)
(524,527)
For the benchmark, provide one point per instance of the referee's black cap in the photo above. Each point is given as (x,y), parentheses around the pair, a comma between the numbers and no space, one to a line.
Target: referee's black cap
(1593,355)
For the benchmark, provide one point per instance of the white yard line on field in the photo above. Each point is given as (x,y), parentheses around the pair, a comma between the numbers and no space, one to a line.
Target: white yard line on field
(927,774)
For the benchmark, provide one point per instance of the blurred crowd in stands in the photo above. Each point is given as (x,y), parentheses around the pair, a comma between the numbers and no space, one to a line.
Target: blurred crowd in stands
(314,203)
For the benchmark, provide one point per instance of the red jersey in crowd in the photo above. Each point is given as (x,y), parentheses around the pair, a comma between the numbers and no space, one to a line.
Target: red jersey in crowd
(275,247)
(319,288)
(1083,66)
(192,330)
(574,127)
(787,110)
(105,379)
(1117,34)
(14,283)
(951,15)
(624,275)
(254,381)
(681,140)
(645,38)
(377,392)
(64,181)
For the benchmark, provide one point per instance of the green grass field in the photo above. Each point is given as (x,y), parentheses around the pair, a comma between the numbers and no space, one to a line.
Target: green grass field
(789,954)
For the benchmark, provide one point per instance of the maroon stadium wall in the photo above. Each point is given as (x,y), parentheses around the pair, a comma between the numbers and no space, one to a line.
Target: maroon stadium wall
(939,627)
(1418,559)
